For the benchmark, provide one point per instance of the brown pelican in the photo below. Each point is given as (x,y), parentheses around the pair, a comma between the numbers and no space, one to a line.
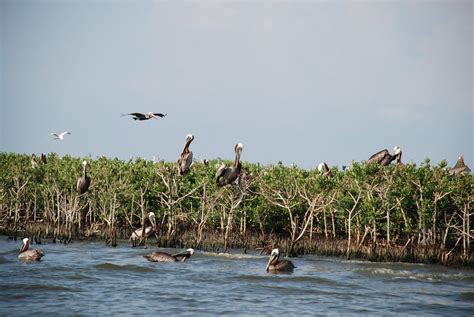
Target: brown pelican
(60,136)
(137,234)
(385,158)
(144,116)
(227,175)
(186,159)
(460,167)
(324,169)
(84,182)
(43,158)
(34,162)
(29,255)
(276,265)
(166,257)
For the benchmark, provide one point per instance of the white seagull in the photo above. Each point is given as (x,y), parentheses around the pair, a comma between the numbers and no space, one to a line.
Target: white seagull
(60,136)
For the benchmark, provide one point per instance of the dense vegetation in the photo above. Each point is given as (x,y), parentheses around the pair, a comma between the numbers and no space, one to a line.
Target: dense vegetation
(406,213)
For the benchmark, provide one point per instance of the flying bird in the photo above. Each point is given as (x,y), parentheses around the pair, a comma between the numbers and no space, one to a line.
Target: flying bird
(145,116)
(275,265)
(83,182)
(137,234)
(60,136)
(385,158)
(227,175)
(460,168)
(29,255)
(166,257)
(185,161)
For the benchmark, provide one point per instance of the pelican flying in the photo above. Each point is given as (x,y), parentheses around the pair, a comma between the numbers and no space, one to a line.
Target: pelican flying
(144,116)
(60,136)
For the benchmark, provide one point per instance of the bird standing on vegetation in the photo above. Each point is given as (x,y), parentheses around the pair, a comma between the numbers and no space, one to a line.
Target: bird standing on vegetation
(385,158)
(227,175)
(60,136)
(185,161)
(144,116)
(460,168)
(137,234)
(84,182)
(166,257)
(29,255)
(276,265)
(324,169)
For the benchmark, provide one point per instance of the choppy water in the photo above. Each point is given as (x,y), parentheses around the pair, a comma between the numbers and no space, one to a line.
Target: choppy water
(88,278)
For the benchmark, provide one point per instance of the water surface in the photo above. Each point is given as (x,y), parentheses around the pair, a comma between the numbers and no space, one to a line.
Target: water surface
(87,278)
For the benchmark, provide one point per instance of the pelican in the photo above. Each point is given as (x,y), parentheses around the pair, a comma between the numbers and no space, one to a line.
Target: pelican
(43,158)
(324,169)
(137,234)
(84,182)
(227,175)
(166,257)
(144,116)
(29,255)
(185,161)
(460,167)
(60,136)
(385,158)
(34,162)
(275,265)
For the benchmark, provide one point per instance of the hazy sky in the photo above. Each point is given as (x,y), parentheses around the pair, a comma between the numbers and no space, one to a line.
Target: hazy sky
(295,81)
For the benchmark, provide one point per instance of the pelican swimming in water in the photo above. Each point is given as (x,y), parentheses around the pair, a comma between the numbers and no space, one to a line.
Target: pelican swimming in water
(385,158)
(460,168)
(137,234)
(185,161)
(145,116)
(276,265)
(324,169)
(60,136)
(158,256)
(227,175)
(29,255)
(84,182)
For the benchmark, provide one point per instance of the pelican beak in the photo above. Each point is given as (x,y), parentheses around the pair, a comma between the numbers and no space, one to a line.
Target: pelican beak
(270,260)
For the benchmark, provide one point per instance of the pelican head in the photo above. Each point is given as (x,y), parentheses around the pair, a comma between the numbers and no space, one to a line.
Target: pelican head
(239,147)
(84,163)
(26,244)
(151,215)
(190,251)
(273,257)
(189,137)
(397,150)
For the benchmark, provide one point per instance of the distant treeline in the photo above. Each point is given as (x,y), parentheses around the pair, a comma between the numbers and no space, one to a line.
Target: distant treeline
(396,213)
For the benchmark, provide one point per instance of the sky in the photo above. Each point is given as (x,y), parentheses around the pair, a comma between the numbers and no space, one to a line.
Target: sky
(295,81)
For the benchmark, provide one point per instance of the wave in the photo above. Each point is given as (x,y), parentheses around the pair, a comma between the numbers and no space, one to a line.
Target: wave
(127,267)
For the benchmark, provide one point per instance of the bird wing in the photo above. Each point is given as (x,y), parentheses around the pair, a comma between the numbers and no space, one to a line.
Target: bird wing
(78,183)
(220,171)
(185,161)
(377,157)
(161,115)
(135,114)
(55,134)
(64,133)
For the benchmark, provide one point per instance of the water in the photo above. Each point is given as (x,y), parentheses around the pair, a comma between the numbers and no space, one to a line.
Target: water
(87,278)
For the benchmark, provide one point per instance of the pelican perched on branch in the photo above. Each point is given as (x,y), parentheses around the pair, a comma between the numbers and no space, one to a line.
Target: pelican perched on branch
(227,175)
(84,182)
(324,169)
(145,116)
(460,168)
(185,160)
(166,257)
(276,265)
(137,234)
(385,158)
(60,136)
(29,255)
